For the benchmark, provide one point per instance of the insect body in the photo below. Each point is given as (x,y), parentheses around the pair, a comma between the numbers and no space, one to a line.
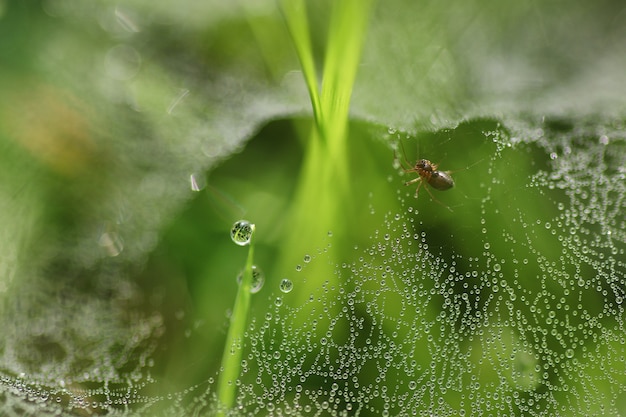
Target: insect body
(427,171)
(429,174)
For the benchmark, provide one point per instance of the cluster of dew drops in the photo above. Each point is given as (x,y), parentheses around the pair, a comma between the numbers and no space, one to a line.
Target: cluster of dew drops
(241,234)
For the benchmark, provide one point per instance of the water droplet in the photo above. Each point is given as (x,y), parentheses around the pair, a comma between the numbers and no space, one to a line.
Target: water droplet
(122,62)
(569,353)
(258,279)
(298,268)
(286,285)
(197,182)
(126,20)
(241,232)
(307,258)
(112,243)
(183,93)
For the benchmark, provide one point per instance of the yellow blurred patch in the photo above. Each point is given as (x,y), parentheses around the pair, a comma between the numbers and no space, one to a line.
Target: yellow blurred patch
(52,125)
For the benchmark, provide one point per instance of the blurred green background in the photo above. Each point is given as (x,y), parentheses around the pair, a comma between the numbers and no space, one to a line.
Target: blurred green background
(133,135)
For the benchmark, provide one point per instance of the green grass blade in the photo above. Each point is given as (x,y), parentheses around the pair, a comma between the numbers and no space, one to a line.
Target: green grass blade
(233,349)
(346,34)
(296,19)
(324,181)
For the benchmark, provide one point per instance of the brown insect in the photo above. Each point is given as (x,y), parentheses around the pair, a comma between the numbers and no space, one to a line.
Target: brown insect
(429,174)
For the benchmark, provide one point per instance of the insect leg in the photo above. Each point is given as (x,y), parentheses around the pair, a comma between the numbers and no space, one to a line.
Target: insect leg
(417,190)
(406,161)
(413,181)
(434,198)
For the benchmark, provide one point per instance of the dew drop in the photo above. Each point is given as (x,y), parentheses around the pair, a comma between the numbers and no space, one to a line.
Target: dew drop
(258,279)
(182,94)
(122,62)
(569,353)
(197,182)
(307,258)
(241,232)
(112,243)
(286,285)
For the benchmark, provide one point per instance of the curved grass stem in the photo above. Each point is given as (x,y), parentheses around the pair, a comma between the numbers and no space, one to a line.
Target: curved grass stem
(324,181)
(294,12)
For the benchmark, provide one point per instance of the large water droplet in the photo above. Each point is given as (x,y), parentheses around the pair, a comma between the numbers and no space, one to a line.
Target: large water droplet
(286,285)
(241,232)
(258,279)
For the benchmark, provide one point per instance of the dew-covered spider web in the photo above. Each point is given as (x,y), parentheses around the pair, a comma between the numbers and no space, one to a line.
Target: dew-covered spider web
(502,296)
(528,321)
(517,311)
